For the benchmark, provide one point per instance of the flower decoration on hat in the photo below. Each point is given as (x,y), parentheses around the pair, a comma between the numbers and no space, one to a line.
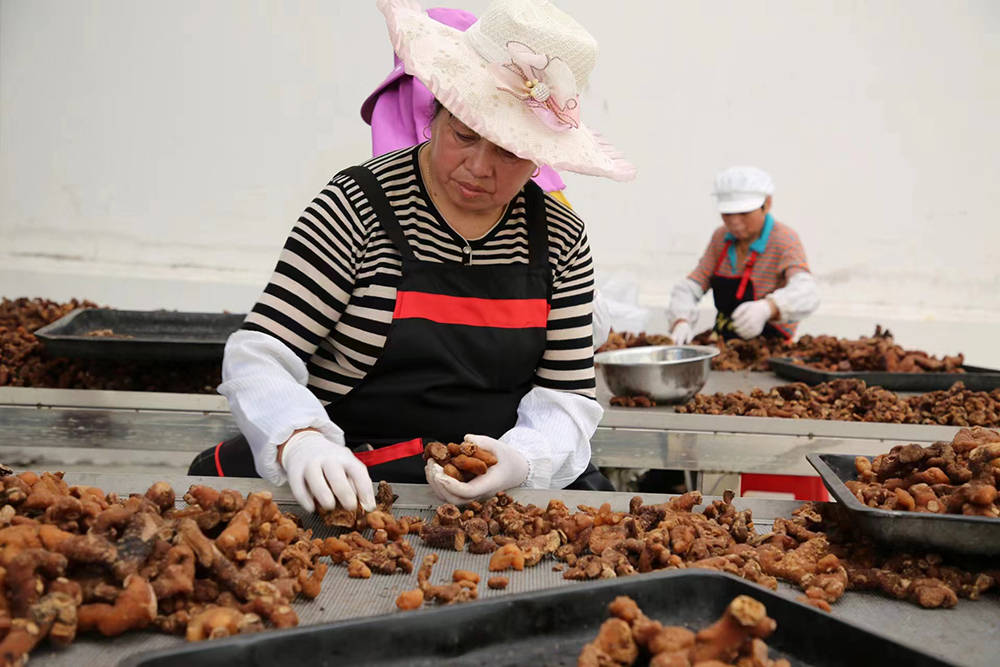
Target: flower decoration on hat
(546,85)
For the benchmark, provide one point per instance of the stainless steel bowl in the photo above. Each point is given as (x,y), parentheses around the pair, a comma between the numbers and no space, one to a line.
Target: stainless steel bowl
(666,373)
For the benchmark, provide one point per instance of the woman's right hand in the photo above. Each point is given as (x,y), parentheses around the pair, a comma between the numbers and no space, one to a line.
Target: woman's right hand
(326,471)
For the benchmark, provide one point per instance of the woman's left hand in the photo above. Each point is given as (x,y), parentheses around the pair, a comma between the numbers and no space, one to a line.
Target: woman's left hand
(510,470)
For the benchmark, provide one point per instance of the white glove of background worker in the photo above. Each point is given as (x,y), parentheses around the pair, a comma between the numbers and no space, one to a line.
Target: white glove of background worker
(681,333)
(749,318)
(328,471)
(510,470)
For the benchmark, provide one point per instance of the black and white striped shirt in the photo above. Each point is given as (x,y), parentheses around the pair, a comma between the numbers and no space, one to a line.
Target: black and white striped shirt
(333,291)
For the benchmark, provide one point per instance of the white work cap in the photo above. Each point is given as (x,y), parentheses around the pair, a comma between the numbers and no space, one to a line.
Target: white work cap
(742,189)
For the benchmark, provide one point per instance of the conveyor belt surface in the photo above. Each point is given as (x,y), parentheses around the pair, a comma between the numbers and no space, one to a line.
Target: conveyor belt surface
(968,634)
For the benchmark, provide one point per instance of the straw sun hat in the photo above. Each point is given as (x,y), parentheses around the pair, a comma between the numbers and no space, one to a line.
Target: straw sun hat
(514,77)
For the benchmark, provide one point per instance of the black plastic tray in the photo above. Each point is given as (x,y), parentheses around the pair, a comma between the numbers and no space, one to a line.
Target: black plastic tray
(975,378)
(546,627)
(146,335)
(955,533)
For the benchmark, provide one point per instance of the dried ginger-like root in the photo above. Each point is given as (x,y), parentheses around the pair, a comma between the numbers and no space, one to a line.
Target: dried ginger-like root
(63,608)
(461,591)
(134,609)
(497,583)
(386,558)
(409,600)
(76,545)
(257,509)
(136,543)
(745,618)
(508,556)
(355,519)
(177,577)
(629,634)
(311,582)
(25,576)
(810,565)
(272,604)
(217,622)
(53,616)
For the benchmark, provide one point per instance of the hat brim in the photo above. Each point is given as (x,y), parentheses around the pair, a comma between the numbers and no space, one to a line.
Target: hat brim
(441,58)
(742,205)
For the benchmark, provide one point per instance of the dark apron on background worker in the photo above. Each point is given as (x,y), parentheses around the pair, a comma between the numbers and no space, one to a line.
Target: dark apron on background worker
(729,292)
(460,354)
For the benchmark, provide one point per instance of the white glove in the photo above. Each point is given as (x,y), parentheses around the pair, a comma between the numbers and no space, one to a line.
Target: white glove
(749,318)
(325,470)
(510,470)
(682,333)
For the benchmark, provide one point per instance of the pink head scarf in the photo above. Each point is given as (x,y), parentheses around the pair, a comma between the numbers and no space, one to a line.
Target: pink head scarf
(400,110)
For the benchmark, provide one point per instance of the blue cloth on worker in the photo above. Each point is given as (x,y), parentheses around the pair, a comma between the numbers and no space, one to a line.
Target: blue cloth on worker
(757,246)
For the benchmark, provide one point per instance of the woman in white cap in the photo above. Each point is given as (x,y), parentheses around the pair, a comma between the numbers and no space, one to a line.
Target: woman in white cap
(755,266)
(435,292)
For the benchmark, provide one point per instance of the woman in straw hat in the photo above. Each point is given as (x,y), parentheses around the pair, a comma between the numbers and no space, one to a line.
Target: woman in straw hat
(435,292)
(400,111)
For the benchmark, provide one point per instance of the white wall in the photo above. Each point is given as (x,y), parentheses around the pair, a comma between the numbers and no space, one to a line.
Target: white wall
(155,153)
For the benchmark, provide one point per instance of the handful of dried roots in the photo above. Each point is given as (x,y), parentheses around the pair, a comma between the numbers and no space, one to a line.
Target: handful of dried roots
(463,462)
(76,559)
(737,638)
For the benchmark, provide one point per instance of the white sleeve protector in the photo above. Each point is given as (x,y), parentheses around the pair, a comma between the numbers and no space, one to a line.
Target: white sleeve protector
(601,320)
(684,298)
(265,384)
(798,299)
(553,432)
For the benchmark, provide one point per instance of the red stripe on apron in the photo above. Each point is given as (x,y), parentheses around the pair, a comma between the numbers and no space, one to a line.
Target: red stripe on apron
(391,452)
(472,311)
(218,464)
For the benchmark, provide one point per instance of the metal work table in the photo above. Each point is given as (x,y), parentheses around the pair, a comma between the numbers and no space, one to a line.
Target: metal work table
(659,437)
(83,430)
(967,634)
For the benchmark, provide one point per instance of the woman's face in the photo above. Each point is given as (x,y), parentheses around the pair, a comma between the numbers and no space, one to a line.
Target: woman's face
(475,175)
(747,226)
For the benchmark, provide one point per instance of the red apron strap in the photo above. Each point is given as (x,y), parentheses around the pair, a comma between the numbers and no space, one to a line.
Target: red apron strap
(400,450)
(218,464)
(722,257)
(746,274)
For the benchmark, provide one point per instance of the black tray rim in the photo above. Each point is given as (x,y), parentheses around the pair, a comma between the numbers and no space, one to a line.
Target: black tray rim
(188,649)
(46,334)
(785,363)
(839,490)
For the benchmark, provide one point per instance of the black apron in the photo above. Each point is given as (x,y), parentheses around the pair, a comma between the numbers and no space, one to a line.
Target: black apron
(730,291)
(461,352)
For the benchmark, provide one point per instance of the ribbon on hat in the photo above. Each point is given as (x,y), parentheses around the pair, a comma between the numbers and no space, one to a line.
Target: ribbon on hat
(546,85)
